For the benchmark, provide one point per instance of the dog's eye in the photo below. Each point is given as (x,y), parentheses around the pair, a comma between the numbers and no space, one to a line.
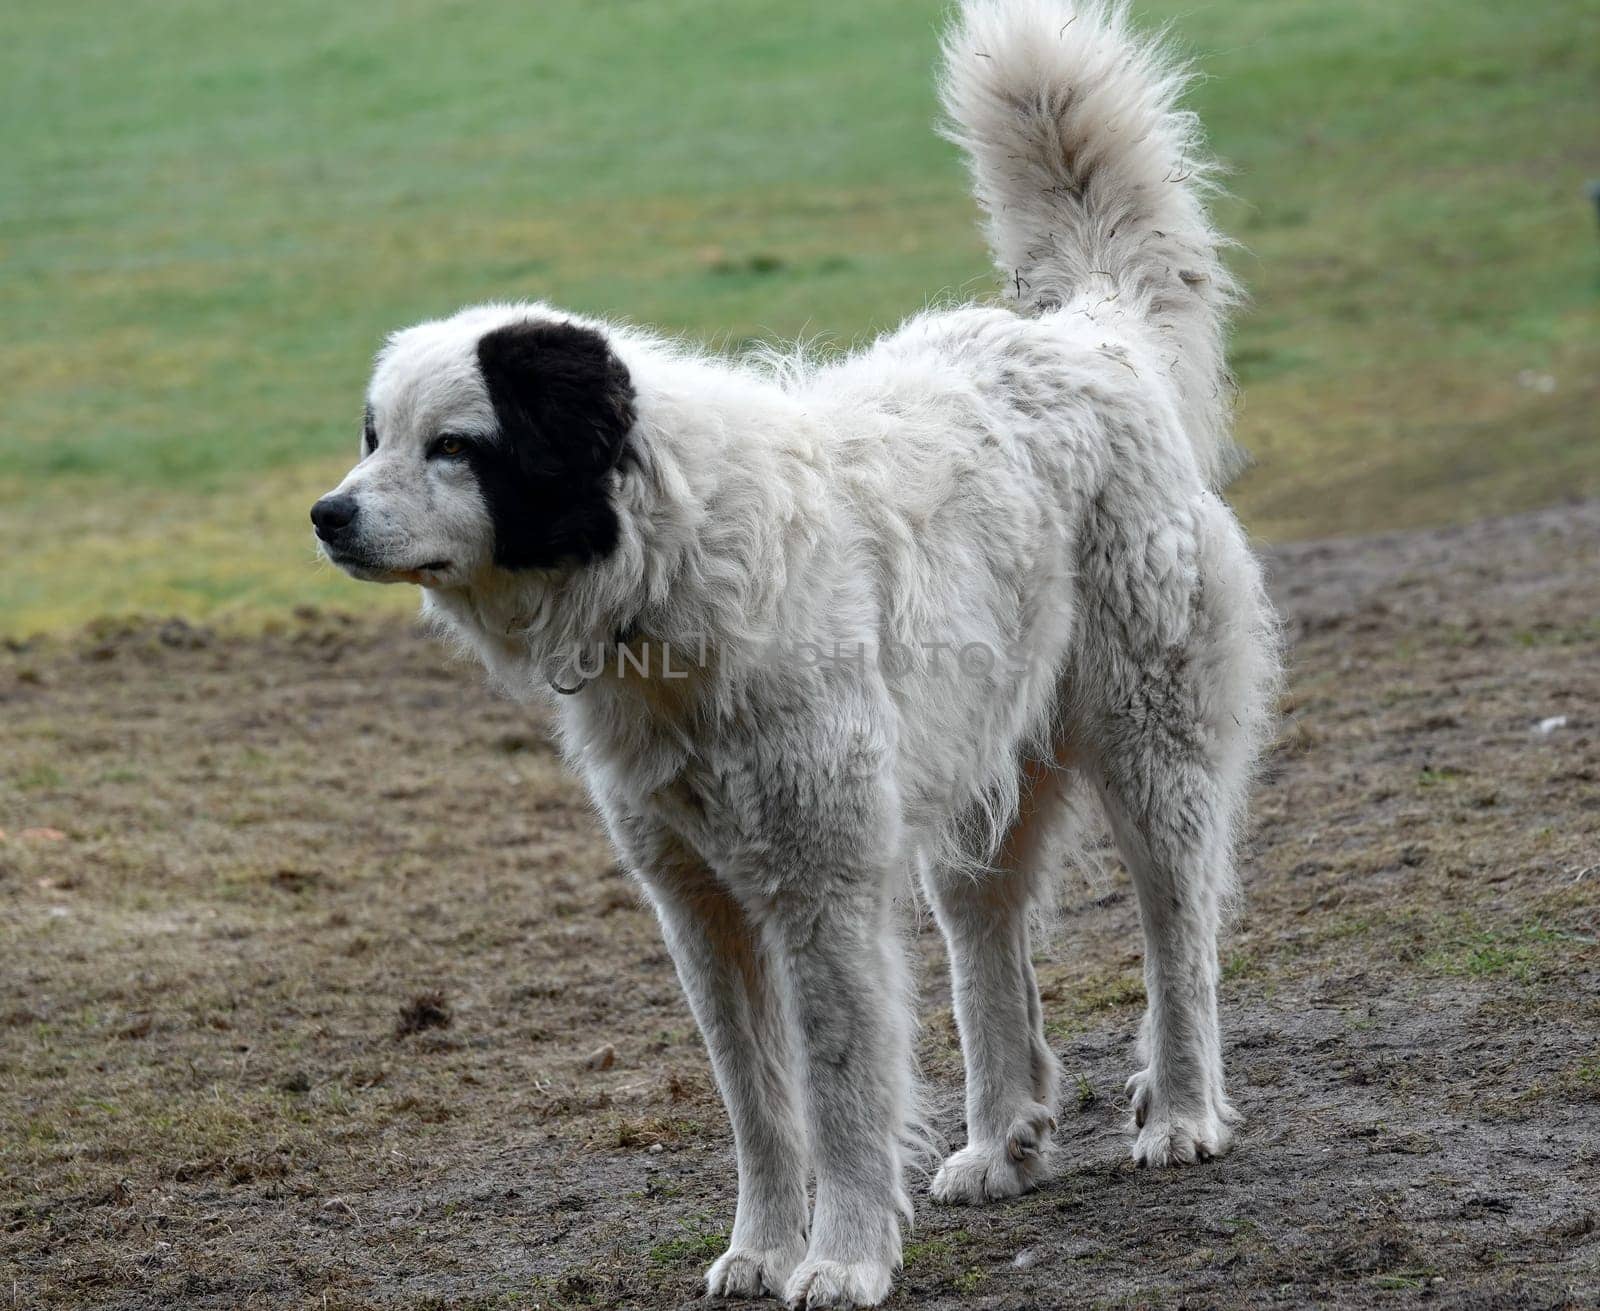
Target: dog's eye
(447,448)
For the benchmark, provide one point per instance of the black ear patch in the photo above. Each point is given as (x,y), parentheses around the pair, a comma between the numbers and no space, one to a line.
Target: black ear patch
(564,406)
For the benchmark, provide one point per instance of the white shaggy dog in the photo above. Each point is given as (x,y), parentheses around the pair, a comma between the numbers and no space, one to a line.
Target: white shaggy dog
(831,628)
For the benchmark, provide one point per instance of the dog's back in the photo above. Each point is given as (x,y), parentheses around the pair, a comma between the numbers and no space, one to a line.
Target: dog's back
(996,461)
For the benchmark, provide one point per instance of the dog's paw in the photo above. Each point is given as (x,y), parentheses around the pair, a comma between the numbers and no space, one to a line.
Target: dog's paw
(1181,1140)
(753,1271)
(819,1283)
(1166,1136)
(983,1172)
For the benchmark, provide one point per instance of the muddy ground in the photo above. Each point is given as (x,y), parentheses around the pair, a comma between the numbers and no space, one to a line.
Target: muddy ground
(308,945)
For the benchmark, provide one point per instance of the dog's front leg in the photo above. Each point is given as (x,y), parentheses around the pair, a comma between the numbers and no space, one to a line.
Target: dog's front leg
(737,1004)
(829,930)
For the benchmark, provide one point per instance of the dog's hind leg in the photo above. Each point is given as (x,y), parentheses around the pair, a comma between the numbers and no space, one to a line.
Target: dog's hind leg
(735,1000)
(1173,745)
(1012,1074)
(1165,815)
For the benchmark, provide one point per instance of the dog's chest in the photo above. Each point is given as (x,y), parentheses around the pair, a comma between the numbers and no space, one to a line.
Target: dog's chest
(700,809)
(652,765)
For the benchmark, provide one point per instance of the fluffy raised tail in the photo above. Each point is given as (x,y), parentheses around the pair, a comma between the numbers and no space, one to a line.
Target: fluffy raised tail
(1094,181)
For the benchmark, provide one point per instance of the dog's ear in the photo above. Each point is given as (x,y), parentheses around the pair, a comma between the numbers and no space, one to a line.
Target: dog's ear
(562,400)
(563,403)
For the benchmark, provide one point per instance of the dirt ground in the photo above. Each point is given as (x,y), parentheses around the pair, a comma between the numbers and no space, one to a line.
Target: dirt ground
(319,987)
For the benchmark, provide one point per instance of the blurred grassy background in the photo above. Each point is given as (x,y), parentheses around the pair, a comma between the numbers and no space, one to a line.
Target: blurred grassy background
(210,214)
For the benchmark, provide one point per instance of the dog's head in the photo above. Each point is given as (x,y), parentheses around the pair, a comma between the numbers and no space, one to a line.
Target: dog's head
(489,442)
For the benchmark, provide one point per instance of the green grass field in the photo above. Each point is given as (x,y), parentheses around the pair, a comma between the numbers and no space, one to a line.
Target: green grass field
(210,215)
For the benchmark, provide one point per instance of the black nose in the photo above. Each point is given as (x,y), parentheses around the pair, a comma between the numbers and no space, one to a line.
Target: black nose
(332,515)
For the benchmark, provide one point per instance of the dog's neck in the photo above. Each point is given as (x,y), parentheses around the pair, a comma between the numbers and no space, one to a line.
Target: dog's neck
(713,517)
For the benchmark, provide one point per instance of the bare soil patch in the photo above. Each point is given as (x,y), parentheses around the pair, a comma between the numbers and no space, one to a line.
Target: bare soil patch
(312,954)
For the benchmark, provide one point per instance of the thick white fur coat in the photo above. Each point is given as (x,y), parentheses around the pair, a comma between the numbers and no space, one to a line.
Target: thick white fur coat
(928,600)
